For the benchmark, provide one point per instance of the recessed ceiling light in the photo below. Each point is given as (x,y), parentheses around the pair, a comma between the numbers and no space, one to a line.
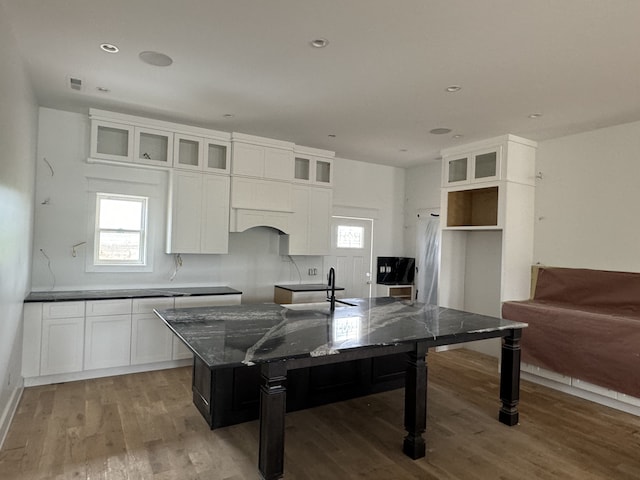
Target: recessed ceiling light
(103,89)
(535,115)
(453,88)
(228,115)
(319,42)
(403,150)
(156,58)
(332,135)
(440,131)
(109,48)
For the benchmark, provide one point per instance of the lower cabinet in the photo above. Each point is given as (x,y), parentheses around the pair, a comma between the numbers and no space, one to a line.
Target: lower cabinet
(232,395)
(62,340)
(62,345)
(151,340)
(107,341)
(82,336)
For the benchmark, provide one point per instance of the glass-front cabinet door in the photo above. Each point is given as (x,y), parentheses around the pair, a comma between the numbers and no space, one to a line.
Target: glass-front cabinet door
(217,156)
(486,165)
(457,170)
(153,147)
(187,153)
(111,141)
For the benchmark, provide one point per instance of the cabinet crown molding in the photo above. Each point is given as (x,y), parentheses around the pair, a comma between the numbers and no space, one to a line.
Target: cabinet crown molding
(486,143)
(261,141)
(315,152)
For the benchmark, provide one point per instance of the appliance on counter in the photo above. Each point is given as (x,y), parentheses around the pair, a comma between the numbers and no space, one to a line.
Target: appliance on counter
(396,270)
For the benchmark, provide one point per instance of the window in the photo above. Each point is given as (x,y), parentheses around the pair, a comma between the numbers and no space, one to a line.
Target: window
(350,237)
(121,224)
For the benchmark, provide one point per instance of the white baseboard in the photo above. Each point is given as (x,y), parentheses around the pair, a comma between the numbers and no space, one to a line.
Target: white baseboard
(104,372)
(9,412)
(581,389)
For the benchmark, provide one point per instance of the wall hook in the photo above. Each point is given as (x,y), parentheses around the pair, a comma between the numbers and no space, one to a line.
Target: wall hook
(539,175)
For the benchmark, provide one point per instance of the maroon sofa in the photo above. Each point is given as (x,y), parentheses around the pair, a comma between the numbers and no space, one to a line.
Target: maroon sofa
(584,324)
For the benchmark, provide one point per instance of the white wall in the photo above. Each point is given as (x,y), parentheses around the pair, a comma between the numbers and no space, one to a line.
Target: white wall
(372,191)
(18,124)
(253,264)
(588,201)
(422,192)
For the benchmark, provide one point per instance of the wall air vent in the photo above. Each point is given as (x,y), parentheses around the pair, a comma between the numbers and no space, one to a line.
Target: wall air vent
(75,83)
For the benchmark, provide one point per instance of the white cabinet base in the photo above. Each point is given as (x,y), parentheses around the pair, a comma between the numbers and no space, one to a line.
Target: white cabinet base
(104,372)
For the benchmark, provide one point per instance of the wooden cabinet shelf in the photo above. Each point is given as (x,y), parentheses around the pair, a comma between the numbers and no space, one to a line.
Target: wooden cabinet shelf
(473,208)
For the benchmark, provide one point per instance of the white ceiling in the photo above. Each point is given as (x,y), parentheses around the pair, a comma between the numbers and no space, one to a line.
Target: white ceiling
(379,85)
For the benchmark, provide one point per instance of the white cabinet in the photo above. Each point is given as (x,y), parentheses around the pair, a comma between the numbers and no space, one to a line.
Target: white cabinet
(256,194)
(151,339)
(198,213)
(477,178)
(487,227)
(201,154)
(262,162)
(111,141)
(262,158)
(31,339)
(313,166)
(107,334)
(310,232)
(153,147)
(477,166)
(62,337)
(128,143)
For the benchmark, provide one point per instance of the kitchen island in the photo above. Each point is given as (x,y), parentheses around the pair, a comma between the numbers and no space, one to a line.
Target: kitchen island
(284,339)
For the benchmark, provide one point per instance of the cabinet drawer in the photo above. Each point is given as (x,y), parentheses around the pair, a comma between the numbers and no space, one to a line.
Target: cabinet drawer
(207,300)
(62,309)
(108,307)
(146,305)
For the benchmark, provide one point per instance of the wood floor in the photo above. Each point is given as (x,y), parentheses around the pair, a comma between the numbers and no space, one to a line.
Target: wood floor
(144,426)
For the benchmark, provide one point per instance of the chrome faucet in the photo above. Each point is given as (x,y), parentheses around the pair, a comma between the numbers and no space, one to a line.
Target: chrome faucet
(331,287)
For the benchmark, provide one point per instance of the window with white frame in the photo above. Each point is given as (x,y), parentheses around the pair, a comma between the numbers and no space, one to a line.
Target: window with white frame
(350,237)
(121,230)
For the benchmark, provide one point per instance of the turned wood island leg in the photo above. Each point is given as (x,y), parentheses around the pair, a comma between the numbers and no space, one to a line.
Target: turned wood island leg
(415,402)
(272,410)
(510,377)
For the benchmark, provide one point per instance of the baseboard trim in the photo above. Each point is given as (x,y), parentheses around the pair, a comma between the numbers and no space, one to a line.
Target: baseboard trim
(607,400)
(8,413)
(104,372)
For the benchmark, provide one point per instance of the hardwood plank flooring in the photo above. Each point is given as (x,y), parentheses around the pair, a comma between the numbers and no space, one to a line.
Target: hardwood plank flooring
(144,426)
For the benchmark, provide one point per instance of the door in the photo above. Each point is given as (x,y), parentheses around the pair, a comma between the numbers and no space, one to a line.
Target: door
(351,254)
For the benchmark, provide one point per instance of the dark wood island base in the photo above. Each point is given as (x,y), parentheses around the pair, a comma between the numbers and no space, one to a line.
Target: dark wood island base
(291,359)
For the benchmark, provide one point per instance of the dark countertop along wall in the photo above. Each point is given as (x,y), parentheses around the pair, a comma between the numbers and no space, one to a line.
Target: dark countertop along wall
(79,295)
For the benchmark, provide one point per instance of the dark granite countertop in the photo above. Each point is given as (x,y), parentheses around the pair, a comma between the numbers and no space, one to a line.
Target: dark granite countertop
(306,287)
(246,334)
(107,294)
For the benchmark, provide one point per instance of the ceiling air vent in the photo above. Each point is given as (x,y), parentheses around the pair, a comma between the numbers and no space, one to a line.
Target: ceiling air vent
(75,83)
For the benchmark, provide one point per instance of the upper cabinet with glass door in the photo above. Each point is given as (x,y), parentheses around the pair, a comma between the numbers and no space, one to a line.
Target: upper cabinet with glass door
(111,141)
(200,153)
(505,158)
(153,147)
(313,166)
(472,167)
